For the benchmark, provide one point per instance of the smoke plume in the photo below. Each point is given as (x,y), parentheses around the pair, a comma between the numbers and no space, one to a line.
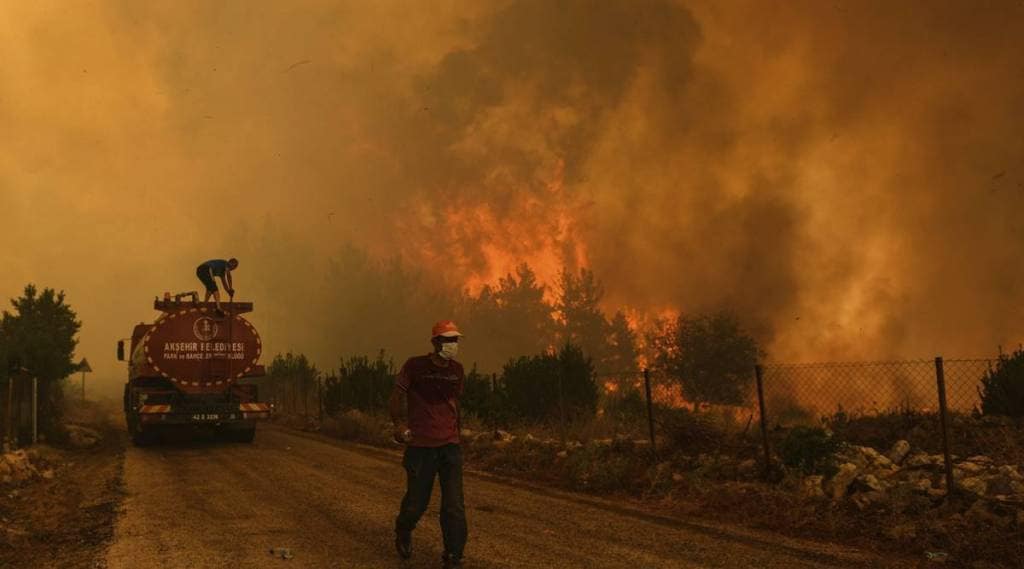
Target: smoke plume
(845,176)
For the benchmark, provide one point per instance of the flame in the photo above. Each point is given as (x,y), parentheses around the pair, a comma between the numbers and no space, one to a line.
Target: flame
(486,241)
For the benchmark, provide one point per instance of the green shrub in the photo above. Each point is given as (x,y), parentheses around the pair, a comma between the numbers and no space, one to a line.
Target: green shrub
(599,470)
(811,450)
(626,404)
(485,401)
(360,383)
(1002,388)
(690,432)
(545,386)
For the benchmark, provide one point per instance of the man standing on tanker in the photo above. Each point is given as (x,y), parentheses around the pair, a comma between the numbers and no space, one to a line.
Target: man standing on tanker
(217,268)
(426,393)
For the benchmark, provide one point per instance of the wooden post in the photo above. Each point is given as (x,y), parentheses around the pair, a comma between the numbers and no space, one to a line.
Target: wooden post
(561,405)
(320,398)
(759,375)
(10,412)
(35,410)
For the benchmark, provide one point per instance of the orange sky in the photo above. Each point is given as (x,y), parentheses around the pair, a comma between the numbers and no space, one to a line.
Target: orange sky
(847,176)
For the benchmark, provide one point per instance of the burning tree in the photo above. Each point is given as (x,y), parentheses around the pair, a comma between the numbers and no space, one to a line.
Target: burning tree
(710,356)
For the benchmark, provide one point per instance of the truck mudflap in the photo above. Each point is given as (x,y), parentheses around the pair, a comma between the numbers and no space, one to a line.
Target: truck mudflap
(167,414)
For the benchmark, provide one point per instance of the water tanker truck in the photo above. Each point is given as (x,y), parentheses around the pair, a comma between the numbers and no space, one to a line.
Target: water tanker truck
(189,368)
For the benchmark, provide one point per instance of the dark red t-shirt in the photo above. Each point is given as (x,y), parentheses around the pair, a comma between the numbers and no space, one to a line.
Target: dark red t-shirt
(433,397)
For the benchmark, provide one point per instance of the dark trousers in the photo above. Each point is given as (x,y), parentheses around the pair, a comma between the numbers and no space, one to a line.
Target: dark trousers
(421,466)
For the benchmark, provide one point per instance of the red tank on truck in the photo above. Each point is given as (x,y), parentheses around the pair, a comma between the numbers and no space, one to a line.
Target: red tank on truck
(193,366)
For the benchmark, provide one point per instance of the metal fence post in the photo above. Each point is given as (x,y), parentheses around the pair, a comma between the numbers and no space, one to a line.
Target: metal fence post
(9,432)
(561,405)
(35,410)
(320,398)
(759,376)
(940,379)
(650,408)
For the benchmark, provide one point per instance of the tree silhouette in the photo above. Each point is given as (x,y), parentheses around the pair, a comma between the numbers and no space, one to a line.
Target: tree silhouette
(710,356)
(621,354)
(582,321)
(509,319)
(40,336)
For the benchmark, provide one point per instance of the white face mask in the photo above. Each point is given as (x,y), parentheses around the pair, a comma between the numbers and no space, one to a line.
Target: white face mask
(449,350)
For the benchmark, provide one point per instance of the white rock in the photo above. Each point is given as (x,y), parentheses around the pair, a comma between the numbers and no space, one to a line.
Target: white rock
(839,483)
(899,451)
(865,499)
(921,460)
(811,487)
(1011,471)
(975,486)
(970,467)
(82,437)
(870,482)
(922,485)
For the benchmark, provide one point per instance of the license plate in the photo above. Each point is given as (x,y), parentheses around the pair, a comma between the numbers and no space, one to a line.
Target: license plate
(206,417)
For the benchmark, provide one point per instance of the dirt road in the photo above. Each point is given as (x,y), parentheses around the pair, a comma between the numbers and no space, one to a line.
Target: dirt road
(208,505)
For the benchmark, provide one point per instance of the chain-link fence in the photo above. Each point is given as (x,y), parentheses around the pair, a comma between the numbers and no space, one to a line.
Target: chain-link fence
(796,393)
(937,405)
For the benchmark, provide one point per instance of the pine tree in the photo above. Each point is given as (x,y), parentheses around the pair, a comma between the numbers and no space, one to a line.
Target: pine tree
(40,336)
(509,319)
(622,349)
(582,322)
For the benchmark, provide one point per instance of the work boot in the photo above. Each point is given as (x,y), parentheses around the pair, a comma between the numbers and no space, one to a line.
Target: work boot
(403,543)
(450,562)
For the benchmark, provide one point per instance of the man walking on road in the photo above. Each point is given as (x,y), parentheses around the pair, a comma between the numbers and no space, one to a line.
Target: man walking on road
(427,393)
(217,268)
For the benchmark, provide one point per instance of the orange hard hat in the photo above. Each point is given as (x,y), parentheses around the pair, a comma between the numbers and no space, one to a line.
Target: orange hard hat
(445,328)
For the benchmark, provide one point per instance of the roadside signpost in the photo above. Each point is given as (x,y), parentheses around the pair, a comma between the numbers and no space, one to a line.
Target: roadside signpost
(83,366)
